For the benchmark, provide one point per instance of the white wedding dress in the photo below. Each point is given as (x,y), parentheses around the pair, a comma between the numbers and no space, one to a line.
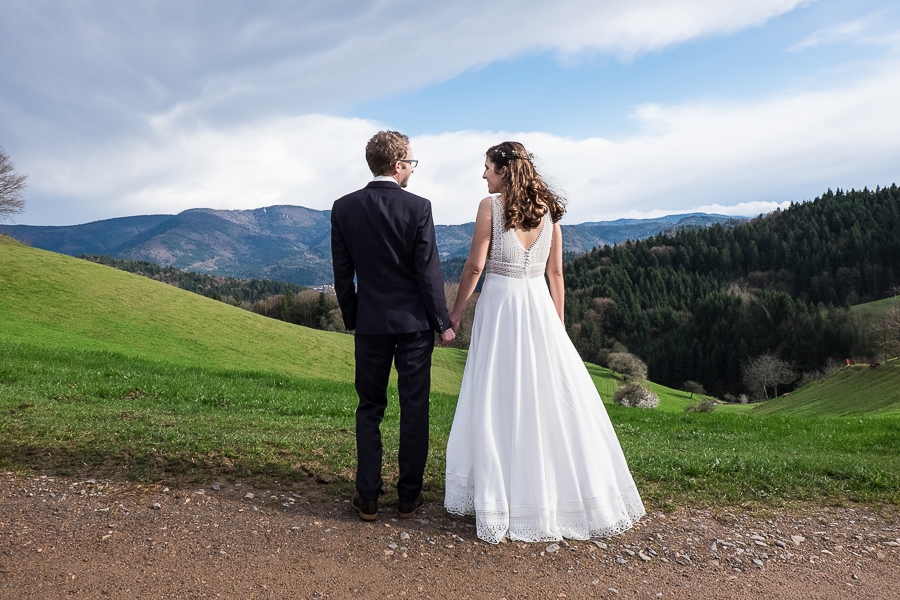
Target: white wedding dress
(532,453)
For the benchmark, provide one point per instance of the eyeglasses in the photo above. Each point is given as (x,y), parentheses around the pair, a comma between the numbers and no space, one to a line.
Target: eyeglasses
(412,162)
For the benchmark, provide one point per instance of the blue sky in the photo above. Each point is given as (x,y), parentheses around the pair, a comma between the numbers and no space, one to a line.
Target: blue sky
(633,108)
(593,94)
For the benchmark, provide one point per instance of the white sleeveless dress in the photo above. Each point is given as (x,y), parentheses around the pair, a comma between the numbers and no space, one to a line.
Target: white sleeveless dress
(532,453)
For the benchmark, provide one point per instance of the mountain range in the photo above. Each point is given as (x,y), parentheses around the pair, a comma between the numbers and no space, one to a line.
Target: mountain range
(285,243)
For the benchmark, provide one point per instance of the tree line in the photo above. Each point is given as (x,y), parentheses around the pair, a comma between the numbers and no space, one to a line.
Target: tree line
(234,291)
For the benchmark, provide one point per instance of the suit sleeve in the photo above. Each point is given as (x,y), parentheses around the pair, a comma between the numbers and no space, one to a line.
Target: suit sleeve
(344,271)
(428,271)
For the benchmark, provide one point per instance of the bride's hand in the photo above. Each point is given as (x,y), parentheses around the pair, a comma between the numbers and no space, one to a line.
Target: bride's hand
(454,323)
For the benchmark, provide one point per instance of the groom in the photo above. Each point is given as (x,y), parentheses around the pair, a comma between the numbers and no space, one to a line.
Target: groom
(384,236)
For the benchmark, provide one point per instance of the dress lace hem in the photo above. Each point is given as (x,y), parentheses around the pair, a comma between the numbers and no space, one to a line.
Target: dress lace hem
(581,520)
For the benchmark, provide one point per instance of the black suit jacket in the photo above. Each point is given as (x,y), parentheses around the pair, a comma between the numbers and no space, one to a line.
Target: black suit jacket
(384,236)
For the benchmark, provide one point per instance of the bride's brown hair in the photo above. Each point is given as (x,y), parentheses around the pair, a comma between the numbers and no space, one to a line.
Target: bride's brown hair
(526,197)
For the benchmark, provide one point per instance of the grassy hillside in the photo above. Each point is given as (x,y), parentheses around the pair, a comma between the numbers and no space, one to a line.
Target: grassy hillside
(872,313)
(110,372)
(853,391)
(61,302)
(670,401)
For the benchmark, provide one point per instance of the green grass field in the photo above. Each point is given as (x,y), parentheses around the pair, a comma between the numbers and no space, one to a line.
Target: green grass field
(105,371)
(857,390)
(58,301)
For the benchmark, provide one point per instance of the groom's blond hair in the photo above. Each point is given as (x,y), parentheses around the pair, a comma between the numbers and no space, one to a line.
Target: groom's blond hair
(384,149)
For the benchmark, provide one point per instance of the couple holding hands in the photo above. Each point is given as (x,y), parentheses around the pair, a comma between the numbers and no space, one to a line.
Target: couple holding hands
(532,453)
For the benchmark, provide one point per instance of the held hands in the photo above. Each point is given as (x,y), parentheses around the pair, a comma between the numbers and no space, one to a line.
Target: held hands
(447,337)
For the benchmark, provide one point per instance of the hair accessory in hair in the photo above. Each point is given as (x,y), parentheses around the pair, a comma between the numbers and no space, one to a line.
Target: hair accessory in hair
(516,154)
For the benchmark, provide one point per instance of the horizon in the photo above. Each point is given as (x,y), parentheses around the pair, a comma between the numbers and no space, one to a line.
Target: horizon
(264,208)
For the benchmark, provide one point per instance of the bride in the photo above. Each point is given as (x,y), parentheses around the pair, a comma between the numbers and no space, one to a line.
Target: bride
(531,452)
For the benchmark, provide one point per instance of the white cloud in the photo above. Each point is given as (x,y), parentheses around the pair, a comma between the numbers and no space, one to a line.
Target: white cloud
(111,62)
(157,108)
(878,28)
(113,108)
(308,160)
(710,157)
(842,32)
(724,158)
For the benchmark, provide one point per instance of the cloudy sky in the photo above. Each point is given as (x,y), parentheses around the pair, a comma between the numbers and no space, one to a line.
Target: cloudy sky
(633,108)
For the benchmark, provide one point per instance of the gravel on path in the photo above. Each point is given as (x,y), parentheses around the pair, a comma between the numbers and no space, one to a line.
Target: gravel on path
(98,538)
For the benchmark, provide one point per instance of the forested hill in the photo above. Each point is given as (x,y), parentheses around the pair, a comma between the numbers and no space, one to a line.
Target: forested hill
(695,304)
(211,286)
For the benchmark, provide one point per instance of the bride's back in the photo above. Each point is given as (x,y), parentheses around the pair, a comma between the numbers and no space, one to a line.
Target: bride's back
(517,252)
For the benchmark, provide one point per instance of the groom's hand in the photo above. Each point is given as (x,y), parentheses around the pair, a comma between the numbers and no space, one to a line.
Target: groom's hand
(447,337)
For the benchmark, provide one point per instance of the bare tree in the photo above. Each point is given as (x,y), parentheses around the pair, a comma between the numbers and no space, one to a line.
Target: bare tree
(764,372)
(890,329)
(831,367)
(629,365)
(12,188)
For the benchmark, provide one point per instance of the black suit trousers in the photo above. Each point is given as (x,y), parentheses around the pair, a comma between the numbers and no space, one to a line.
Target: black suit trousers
(411,353)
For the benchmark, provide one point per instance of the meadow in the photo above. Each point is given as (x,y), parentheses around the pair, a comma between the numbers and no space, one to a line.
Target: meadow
(871,313)
(108,373)
(855,390)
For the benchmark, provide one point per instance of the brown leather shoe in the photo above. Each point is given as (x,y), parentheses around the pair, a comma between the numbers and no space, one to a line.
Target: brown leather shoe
(367,509)
(408,510)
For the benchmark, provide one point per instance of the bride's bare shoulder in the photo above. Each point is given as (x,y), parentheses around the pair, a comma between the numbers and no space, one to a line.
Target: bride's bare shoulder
(484,211)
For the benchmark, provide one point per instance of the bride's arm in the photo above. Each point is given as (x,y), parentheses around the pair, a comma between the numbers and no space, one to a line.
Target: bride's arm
(481,240)
(555,272)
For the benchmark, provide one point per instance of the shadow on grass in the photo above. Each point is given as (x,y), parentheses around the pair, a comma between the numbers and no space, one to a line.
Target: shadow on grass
(178,470)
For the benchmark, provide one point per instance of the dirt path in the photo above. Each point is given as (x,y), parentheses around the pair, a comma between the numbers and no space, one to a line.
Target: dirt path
(64,538)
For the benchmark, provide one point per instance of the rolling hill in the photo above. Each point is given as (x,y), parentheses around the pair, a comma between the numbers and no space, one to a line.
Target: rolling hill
(856,390)
(58,301)
(98,237)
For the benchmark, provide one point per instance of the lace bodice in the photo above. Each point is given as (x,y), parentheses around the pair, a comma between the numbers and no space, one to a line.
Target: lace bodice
(508,257)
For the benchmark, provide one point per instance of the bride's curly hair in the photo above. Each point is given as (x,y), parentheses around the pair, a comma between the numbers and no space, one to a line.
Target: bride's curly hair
(526,197)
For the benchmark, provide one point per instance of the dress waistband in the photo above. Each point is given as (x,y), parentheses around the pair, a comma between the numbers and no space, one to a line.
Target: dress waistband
(527,270)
